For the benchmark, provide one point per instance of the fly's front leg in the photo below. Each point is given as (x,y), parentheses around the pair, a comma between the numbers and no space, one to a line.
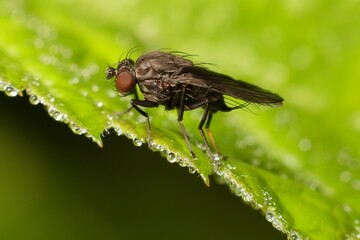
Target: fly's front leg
(130,108)
(135,103)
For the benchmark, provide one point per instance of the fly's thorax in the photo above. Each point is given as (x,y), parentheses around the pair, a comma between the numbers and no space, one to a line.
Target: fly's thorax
(158,90)
(156,65)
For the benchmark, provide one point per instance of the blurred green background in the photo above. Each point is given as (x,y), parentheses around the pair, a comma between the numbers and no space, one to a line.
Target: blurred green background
(56,185)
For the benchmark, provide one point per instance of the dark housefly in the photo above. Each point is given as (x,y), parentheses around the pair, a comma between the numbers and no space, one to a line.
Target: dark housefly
(171,80)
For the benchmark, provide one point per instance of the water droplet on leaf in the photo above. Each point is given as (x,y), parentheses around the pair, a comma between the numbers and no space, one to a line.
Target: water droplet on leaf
(77,129)
(192,170)
(182,163)
(34,100)
(276,221)
(118,131)
(54,113)
(10,91)
(137,142)
(99,104)
(171,157)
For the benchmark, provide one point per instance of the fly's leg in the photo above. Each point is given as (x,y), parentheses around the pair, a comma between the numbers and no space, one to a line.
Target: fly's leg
(203,119)
(180,111)
(212,140)
(125,112)
(130,108)
(135,103)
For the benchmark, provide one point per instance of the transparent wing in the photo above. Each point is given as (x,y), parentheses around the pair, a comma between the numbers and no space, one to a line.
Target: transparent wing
(202,77)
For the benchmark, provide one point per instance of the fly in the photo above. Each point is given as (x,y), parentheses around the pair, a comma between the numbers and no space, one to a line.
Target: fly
(171,80)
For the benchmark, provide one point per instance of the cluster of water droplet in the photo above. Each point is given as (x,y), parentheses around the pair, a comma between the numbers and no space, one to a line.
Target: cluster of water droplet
(295,235)
(268,206)
(276,220)
(272,213)
(58,115)
(154,146)
(236,186)
(245,195)
(356,233)
(171,157)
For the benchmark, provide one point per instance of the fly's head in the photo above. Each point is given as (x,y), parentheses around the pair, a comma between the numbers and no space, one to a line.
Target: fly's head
(125,79)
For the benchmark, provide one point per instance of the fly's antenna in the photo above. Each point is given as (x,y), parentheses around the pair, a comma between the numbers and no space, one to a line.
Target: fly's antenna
(128,53)
(121,57)
(131,51)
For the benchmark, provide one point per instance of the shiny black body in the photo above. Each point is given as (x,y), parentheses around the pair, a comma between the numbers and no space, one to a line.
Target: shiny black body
(171,80)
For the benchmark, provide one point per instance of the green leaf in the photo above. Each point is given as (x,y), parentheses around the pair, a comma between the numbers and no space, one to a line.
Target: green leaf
(299,164)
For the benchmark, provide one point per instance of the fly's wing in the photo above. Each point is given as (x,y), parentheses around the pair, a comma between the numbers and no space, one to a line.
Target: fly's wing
(217,82)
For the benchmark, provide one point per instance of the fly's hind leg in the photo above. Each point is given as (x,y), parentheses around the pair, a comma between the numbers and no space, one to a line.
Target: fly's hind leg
(205,116)
(211,137)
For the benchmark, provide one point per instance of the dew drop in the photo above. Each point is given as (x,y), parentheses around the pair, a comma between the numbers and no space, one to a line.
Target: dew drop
(35,82)
(294,235)
(269,216)
(77,129)
(99,104)
(95,88)
(160,148)
(118,131)
(275,221)
(356,185)
(84,93)
(10,91)
(137,142)
(347,208)
(268,201)
(110,118)
(111,93)
(74,81)
(156,147)
(152,146)
(106,132)
(247,197)
(201,146)
(217,156)
(304,144)
(171,157)
(51,98)
(2,85)
(192,170)
(34,100)
(182,163)
(241,192)
(357,228)
(345,176)
(231,167)
(55,114)
(238,192)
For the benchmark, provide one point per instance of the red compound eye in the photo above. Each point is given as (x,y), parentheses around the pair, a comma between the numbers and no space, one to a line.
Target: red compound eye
(125,82)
